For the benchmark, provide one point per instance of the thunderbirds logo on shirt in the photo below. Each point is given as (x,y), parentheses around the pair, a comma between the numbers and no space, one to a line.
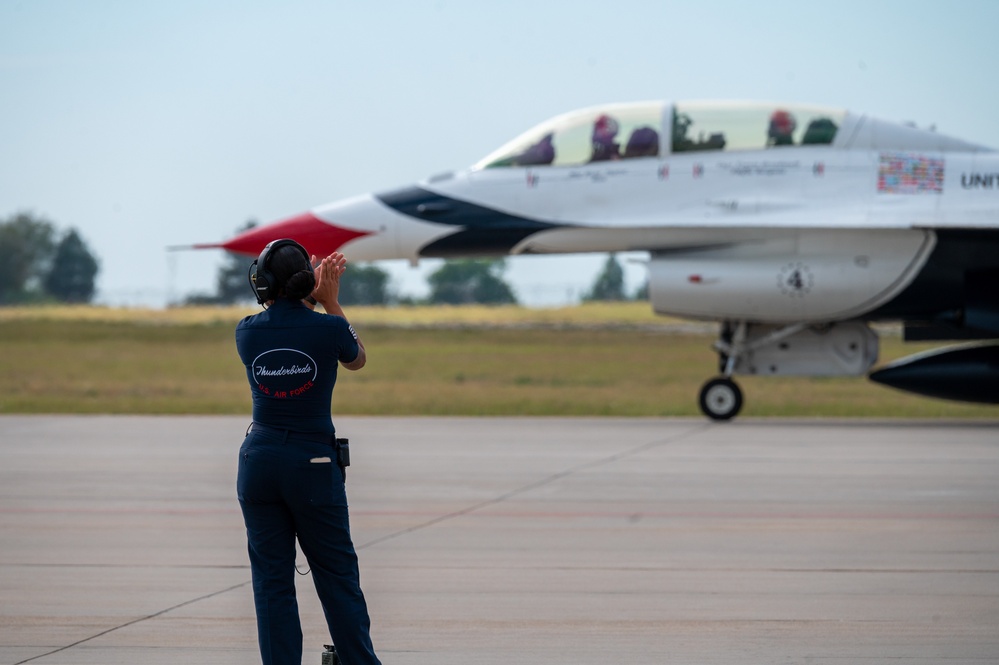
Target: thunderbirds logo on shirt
(284,372)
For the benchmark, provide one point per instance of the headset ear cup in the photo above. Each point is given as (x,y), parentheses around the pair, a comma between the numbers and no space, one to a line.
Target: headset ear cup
(258,282)
(263,281)
(251,277)
(262,285)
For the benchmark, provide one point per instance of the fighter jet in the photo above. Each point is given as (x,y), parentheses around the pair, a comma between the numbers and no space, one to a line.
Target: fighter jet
(795,227)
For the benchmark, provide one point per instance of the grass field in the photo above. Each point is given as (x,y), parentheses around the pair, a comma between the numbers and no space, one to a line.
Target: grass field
(603,359)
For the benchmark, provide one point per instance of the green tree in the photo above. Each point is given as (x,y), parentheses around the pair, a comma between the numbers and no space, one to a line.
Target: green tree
(642,292)
(470,281)
(364,285)
(233,282)
(609,284)
(72,275)
(26,245)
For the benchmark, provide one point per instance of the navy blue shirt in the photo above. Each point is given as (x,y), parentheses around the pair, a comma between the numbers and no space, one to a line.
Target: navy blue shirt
(291,355)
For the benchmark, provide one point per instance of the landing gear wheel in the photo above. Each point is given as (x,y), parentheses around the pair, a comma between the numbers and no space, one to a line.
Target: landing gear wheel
(720,399)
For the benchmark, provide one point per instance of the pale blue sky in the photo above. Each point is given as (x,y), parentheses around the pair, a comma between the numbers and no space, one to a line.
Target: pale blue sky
(150,124)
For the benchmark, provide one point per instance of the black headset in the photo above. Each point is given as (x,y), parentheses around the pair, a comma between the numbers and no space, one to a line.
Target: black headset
(265,286)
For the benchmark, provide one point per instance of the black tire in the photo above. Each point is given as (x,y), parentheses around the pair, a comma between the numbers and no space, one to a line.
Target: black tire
(720,399)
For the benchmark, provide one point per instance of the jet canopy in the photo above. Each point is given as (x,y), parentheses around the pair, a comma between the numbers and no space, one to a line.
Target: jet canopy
(629,131)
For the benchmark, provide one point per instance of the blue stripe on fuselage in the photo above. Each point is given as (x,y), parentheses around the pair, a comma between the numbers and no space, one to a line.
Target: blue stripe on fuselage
(483,231)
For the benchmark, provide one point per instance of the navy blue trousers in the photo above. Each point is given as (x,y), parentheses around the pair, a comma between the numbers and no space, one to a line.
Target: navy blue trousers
(285,492)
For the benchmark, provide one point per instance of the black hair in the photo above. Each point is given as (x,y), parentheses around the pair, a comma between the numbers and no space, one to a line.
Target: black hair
(292,272)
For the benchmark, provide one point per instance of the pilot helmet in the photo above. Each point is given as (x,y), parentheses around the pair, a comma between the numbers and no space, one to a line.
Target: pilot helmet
(782,123)
(605,127)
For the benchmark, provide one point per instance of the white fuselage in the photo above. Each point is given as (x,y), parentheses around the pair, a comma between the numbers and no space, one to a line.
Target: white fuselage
(830,223)
(786,234)
(794,225)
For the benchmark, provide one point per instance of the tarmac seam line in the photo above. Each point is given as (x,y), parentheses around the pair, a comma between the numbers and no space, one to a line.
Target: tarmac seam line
(536,484)
(442,518)
(133,622)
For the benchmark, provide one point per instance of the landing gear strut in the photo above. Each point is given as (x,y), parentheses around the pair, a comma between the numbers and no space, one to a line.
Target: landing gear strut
(837,348)
(721,398)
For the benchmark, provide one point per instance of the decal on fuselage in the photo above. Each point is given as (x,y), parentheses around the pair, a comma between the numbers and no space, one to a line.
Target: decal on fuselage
(909,173)
(764,168)
(980,180)
(795,280)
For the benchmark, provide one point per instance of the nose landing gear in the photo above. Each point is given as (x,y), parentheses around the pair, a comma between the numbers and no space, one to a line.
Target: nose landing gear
(720,398)
(838,348)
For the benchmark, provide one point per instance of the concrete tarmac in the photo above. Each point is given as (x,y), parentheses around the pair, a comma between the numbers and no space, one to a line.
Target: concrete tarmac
(519,540)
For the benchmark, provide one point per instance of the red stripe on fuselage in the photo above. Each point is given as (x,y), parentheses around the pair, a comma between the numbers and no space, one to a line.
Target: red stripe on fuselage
(318,237)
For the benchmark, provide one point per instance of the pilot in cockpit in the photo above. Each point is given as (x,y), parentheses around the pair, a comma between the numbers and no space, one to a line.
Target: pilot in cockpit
(782,126)
(605,130)
(540,153)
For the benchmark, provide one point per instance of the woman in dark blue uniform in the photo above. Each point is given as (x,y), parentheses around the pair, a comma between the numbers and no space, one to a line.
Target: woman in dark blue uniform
(289,483)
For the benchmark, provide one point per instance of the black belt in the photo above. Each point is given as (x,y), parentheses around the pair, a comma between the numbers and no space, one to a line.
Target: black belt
(317,437)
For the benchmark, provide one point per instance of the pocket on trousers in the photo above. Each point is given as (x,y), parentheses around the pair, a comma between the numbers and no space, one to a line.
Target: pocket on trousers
(257,474)
(325,483)
(250,477)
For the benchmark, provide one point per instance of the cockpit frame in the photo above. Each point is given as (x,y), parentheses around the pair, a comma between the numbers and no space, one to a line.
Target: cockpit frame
(617,132)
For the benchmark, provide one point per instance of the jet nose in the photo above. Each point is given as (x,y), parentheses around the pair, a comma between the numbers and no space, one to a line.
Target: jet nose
(387,232)
(362,227)
(318,236)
